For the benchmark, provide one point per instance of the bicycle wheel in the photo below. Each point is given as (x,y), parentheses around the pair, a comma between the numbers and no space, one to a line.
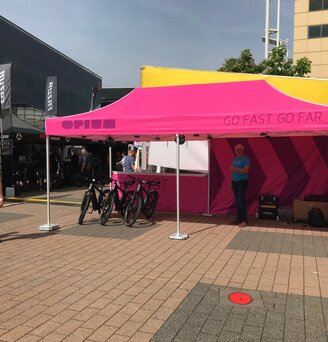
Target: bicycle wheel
(132,211)
(107,209)
(150,204)
(84,206)
(127,197)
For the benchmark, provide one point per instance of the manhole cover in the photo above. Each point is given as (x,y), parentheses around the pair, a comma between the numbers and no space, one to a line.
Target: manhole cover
(240,298)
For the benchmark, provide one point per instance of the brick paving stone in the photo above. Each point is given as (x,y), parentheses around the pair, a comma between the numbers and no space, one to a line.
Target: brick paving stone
(79,334)
(293,337)
(129,328)
(45,328)
(14,322)
(95,322)
(141,337)
(37,320)
(228,336)
(251,333)
(197,318)
(188,333)
(29,338)
(118,338)
(7,217)
(53,337)
(103,333)
(295,326)
(162,313)
(152,326)
(130,308)
(110,310)
(118,320)
(316,338)
(64,316)
(206,338)
(16,333)
(68,327)
(212,327)
(165,334)
(84,315)
(142,315)
(93,229)
(8,314)
(3,331)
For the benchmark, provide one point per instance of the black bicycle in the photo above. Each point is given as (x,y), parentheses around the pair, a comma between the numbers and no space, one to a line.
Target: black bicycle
(91,197)
(114,198)
(144,200)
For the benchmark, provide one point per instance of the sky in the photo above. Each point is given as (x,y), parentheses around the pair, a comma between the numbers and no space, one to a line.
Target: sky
(114,38)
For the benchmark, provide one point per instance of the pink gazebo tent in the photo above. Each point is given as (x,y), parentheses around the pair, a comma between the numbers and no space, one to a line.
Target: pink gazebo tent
(240,109)
(202,111)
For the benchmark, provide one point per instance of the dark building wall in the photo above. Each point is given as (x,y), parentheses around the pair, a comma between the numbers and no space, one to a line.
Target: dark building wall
(32,61)
(110,95)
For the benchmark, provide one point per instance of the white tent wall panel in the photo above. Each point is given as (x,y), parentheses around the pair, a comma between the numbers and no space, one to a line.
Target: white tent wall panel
(193,155)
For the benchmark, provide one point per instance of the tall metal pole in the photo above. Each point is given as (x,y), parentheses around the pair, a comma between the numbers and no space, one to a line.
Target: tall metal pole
(278,23)
(267,26)
(178,183)
(178,235)
(48,226)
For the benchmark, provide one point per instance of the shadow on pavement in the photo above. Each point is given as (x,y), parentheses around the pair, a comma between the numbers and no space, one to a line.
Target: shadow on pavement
(17,236)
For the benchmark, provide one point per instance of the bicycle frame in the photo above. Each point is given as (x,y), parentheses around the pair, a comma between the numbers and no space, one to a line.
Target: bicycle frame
(142,192)
(94,199)
(119,200)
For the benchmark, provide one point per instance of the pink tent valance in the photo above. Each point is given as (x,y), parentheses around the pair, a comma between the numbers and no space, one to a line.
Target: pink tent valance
(244,109)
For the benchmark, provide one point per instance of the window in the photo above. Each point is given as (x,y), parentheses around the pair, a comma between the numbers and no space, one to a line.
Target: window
(32,116)
(315,31)
(318,31)
(318,5)
(324,30)
(315,5)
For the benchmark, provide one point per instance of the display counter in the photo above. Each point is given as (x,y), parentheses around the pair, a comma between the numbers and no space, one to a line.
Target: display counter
(193,190)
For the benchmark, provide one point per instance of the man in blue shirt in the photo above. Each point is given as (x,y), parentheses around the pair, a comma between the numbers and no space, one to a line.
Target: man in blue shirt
(127,162)
(239,176)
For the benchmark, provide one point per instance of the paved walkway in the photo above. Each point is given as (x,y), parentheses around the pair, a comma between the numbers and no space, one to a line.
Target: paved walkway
(113,283)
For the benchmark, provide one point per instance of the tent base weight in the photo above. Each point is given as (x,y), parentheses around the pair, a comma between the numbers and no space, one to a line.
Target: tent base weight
(180,236)
(48,227)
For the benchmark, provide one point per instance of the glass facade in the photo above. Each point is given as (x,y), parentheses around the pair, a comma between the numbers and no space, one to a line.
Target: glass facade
(34,117)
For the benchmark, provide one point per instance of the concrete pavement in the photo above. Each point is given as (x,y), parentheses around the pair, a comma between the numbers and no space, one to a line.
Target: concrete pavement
(113,283)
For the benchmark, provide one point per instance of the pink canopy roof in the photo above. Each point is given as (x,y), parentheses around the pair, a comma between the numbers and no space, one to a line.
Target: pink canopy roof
(244,109)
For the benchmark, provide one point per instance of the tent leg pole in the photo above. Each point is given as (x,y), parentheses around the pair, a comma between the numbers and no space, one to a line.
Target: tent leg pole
(208,178)
(178,235)
(110,165)
(48,226)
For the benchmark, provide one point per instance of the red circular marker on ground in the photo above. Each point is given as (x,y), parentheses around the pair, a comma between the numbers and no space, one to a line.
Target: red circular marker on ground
(240,298)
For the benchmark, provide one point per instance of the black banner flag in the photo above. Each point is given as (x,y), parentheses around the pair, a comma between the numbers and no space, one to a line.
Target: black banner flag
(5,86)
(51,96)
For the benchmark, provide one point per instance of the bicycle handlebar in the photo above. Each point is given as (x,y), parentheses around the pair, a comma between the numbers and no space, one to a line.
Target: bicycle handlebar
(149,182)
(132,180)
(126,182)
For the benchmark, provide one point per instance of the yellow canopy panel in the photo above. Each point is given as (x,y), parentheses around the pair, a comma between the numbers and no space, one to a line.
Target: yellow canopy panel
(309,89)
